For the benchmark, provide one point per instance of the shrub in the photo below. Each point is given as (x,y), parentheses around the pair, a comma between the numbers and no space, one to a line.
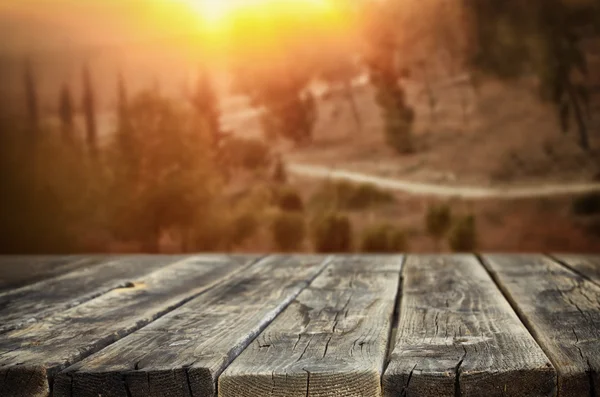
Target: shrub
(349,196)
(463,235)
(384,238)
(332,233)
(280,172)
(250,154)
(588,204)
(289,231)
(243,227)
(289,200)
(438,221)
(398,130)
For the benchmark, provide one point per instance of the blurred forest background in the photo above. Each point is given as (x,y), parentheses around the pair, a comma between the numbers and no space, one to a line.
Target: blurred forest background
(112,142)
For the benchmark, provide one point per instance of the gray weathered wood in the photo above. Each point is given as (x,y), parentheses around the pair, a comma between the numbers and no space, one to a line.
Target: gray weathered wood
(29,304)
(331,341)
(586,265)
(182,353)
(17,270)
(562,310)
(30,357)
(457,335)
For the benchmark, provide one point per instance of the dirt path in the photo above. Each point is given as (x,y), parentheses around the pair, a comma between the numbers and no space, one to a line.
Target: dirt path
(430,189)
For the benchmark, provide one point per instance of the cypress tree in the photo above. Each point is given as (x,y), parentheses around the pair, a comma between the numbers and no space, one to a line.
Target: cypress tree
(122,97)
(89,112)
(31,97)
(205,103)
(66,113)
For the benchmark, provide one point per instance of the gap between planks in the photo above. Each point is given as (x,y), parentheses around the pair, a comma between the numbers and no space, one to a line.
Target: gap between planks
(24,361)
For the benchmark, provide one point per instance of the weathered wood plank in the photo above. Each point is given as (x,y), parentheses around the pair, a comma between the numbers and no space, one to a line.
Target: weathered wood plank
(457,335)
(26,305)
(182,353)
(17,270)
(586,265)
(562,310)
(331,341)
(31,357)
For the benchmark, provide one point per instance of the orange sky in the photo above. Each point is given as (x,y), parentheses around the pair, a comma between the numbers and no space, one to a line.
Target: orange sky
(55,23)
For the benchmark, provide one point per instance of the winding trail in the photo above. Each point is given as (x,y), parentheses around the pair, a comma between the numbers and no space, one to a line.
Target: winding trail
(430,189)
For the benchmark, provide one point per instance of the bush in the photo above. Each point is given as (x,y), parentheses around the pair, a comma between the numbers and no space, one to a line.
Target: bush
(384,238)
(438,221)
(398,130)
(463,235)
(289,200)
(349,196)
(289,231)
(280,172)
(243,227)
(250,154)
(588,204)
(332,233)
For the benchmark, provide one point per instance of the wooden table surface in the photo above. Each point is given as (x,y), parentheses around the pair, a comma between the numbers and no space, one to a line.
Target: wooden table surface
(341,325)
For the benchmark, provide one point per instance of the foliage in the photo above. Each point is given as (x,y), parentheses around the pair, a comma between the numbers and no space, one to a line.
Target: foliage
(384,238)
(205,103)
(280,89)
(463,234)
(386,76)
(280,174)
(349,196)
(438,221)
(545,37)
(89,112)
(332,233)
(289,200)
(31,93)
(66,112)
(243,226)
(166,178)
(47,200)
(250,154)
(288,231)
(588,204)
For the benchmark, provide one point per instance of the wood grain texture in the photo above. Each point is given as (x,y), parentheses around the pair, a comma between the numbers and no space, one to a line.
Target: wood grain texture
(331,341)
(586,265)
(32,356)
(18,270)
(26,305)
(562,311)
(184,352)
(458,336)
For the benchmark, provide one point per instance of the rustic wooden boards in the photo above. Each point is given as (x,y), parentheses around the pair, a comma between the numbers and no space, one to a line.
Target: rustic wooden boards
(457,335)
(562,310)
(586,265)
(184,352)
(18,270)
(331,341)
(31,303)
(32,356)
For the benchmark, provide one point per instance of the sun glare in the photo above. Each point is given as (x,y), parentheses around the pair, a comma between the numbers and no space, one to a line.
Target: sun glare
(217,15)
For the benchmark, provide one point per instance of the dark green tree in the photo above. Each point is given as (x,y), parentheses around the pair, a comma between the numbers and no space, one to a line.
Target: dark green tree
(280,89)
(544,37)
(31,97)
(205,102)
(437,222)
(66,113)
(89,112)
(382,60)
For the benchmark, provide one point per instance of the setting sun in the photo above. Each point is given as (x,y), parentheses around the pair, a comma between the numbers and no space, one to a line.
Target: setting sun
(219,15)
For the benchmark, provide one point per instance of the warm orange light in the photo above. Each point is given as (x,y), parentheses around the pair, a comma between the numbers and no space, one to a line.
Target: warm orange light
(219,15)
